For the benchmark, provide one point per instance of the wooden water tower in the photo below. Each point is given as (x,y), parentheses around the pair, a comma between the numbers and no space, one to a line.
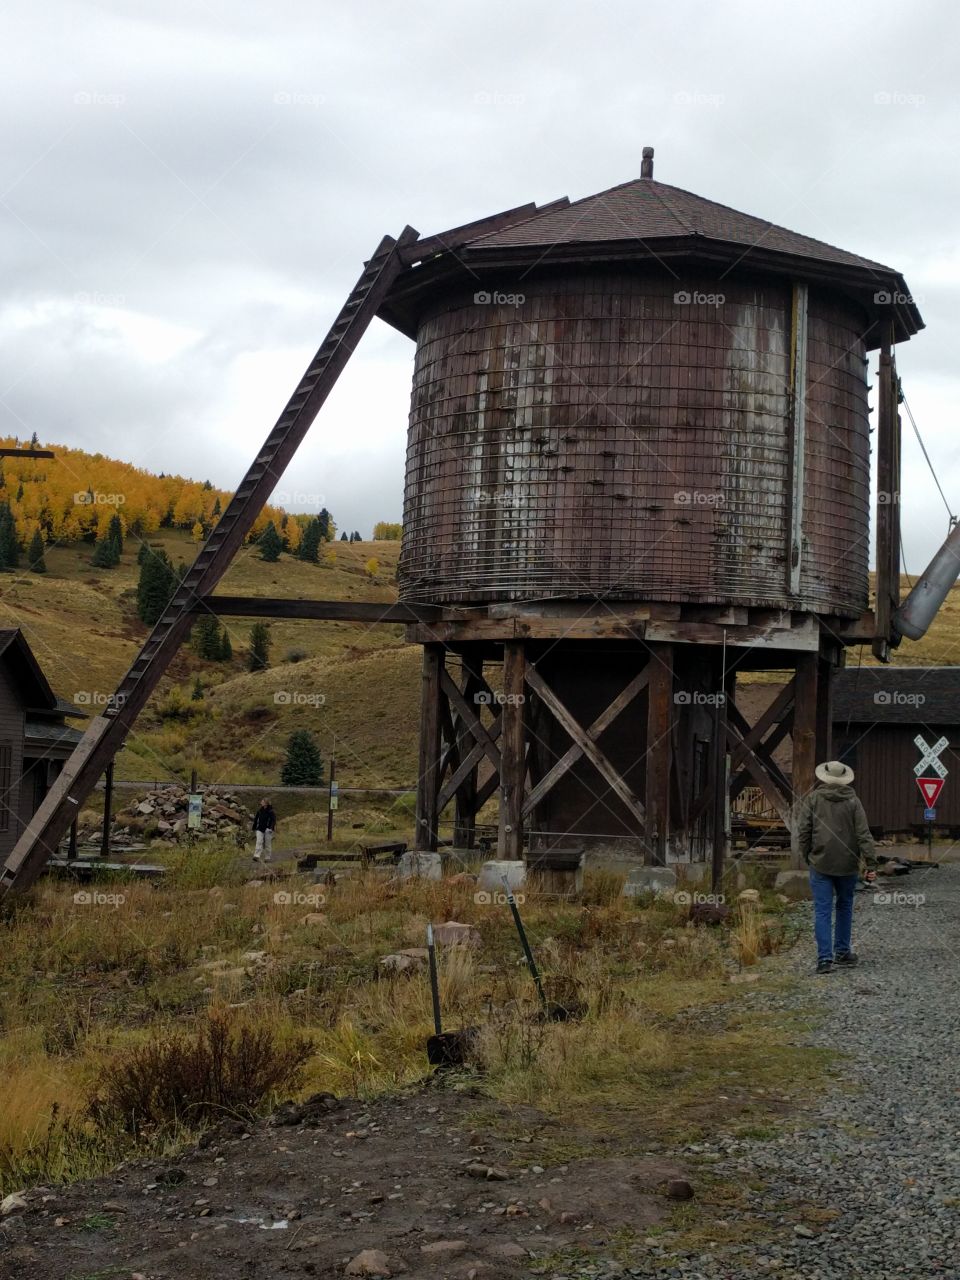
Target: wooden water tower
(638,466)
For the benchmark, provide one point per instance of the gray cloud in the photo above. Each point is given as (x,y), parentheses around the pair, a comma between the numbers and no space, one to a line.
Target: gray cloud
(220,171)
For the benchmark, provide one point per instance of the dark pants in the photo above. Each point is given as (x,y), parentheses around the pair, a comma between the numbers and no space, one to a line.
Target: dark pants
(832,938)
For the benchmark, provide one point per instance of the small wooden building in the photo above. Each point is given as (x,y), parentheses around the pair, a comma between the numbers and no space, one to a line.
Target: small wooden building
(878,712)
(35,739)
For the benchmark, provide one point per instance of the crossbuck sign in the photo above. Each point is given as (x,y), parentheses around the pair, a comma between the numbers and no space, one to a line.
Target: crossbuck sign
(930,756)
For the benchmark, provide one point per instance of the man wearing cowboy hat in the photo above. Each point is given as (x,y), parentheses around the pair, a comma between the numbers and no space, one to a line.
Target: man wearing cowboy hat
(835,840)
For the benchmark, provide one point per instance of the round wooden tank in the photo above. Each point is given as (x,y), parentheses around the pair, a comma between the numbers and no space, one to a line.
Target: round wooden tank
(626,435)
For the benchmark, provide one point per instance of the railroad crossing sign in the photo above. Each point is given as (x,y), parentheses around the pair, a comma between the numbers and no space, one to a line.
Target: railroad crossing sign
(930,789)
(930,756)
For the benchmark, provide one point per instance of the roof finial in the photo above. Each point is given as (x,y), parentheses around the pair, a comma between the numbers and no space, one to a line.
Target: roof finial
(646,168)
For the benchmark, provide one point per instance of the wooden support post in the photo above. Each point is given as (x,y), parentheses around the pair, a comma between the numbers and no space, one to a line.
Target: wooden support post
(428,775)
(513,763)
(888,498)
(107,811)
(465,801)
(805,720)
(660,709)
(825,671)
(72,846)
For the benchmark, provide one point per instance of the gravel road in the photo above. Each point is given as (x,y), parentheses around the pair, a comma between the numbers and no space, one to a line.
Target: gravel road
(879,1159)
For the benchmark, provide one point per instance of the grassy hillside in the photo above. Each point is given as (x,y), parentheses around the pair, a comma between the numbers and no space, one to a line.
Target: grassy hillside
(82,624)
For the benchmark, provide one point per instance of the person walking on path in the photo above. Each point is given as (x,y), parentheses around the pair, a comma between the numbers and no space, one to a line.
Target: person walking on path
(835,842)
(264,825)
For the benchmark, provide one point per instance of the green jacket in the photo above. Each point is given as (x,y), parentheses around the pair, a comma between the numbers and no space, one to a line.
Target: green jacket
(832,831)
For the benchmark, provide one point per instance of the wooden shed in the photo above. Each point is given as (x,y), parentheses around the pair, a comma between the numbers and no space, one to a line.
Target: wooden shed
(878,713)
(35,739)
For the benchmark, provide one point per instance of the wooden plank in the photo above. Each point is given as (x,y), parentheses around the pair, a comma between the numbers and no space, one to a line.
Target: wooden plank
(428,772)
(804,636)
(467,713)
(886,496)
(762,778)
(805,726)
(468,763)
(797,435)
(660,709)
(320,610)
(465,792)
(513,759)
(754,735)
(573,753)
(589,748)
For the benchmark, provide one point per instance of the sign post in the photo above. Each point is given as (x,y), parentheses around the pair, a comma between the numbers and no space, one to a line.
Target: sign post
(930,786)
(333,795)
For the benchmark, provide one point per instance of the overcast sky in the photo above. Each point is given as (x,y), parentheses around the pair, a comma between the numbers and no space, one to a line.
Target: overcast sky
(188,191)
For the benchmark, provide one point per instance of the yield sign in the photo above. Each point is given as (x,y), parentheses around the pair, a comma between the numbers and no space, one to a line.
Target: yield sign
(930,789)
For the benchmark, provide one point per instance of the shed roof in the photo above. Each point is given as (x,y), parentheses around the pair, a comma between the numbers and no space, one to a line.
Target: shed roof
(897,696)
(31,682)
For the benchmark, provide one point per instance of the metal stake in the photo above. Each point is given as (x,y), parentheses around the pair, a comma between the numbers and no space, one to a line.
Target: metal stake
(531,963)
(434,983)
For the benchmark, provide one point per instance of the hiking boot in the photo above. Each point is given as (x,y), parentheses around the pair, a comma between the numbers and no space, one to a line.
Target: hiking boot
(846,958)
(824,966)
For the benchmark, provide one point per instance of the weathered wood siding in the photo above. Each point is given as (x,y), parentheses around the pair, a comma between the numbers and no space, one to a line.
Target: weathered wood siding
(598,434)
(11,760)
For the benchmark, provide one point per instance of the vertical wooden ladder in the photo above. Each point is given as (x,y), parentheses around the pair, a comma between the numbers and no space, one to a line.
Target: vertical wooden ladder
(106,732)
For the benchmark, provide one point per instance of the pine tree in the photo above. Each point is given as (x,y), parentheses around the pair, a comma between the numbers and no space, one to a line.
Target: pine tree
(197,695)
(226,648)
(143,552)
(206,638)
(344,538)
(324,521)
(303,766)
(105,553)
(156,586)
(35,553)
(270,544)
(216,506)
(9,546)
(309,548)
(115,531)
(259,647)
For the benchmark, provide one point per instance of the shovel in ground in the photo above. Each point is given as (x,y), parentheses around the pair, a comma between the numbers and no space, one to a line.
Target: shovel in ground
(444,1048)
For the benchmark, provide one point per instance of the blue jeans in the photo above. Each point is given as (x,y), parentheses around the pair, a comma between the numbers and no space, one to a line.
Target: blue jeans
(832,939)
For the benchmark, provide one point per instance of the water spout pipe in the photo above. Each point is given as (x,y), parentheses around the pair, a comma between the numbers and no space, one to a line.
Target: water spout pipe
(922,604)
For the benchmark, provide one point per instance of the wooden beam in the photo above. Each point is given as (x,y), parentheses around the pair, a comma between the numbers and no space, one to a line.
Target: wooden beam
(660,711)
(797,436)
(762,778)
(587,746)
(753,736)
(573,753)
(320,610)
(513,757)
(465,793)
(887,497)
(467,713)
(428,774)
(469,762)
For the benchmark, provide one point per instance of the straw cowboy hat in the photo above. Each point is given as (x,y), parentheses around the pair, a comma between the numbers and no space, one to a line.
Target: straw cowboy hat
(834,772)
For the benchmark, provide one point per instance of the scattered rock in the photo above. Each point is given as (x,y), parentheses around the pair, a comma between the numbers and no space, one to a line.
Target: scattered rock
(803,1231)
(13,1203)
(507,1250)
(404,961)
(314,917)
(678,1189)
(444,1248)
(748,895)
(453,933)
(370,1262)
(746,976)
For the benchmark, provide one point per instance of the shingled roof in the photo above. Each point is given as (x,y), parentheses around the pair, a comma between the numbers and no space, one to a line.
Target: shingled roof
(647,210)
(646,224)
(892,695)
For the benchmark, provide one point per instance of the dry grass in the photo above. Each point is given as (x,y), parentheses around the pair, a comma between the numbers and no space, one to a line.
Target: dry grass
(92,990)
